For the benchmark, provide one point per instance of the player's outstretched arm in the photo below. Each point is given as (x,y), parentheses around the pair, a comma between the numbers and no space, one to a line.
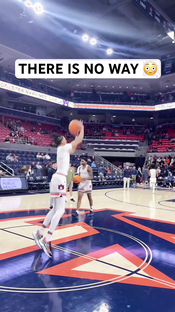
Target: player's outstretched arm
(77,140)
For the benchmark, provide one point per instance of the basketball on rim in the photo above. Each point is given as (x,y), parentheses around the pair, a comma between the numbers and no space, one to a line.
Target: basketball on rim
(75,127)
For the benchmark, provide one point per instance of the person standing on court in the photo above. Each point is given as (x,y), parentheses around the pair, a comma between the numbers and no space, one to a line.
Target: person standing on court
(70,177)
(57,190)
(126,177)
(134,174)
(85,186)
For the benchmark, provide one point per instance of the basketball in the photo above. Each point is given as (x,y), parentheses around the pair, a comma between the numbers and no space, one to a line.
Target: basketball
(75,127)
(77,179)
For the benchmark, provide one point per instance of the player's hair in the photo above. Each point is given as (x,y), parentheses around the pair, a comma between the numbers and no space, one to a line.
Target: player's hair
(57,138)
(152,166)
(84,157)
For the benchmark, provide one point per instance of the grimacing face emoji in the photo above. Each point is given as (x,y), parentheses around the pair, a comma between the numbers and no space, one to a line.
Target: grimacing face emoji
(150,68)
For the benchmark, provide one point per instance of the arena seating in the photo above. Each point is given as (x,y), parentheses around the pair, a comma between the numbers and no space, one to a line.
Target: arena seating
(163,140)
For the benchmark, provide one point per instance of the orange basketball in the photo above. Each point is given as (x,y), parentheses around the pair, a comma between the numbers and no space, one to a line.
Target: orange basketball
(77,179)
(75,127)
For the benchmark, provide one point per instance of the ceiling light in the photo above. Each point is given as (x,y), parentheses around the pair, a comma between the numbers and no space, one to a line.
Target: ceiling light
(98,86)
(166,86)
(151,117)
(84,85)
(126,87)
(109,51)
(93,115)
(77,85)
(105,86)
(140,87)
(28,4)
(133,119)
(119,87)
(38,8)
(85,37)
(112,86)
(114,116)
(93,41)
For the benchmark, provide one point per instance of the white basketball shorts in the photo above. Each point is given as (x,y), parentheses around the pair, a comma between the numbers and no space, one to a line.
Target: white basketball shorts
(58,185)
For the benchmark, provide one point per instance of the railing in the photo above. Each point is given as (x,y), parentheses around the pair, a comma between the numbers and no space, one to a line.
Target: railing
(118,138)
(7,169)
(114,169)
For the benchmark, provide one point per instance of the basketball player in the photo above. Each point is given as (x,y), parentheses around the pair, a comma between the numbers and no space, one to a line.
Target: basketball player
(153,176)
(85,186)
(57,190)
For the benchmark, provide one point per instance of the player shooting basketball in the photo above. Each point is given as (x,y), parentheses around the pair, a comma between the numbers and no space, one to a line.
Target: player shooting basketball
(58,189)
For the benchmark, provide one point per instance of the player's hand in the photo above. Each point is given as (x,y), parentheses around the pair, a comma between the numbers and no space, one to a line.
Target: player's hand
(82,123)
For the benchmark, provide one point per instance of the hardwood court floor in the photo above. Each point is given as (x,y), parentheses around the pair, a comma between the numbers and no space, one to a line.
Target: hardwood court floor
(121,259)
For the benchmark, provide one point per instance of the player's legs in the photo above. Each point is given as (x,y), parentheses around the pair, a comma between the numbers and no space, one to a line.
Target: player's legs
(124,183)
(80,196)
(51,202)
(89,195)
(70,191)
(128,182)
(53,220)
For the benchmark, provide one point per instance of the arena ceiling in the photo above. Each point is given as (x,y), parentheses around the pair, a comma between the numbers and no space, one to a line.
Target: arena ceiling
(57,33)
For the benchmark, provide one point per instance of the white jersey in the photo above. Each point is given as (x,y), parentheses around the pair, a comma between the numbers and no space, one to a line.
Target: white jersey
(58,181)
(84,186)
(83,172)
(63,158)
(152,176)
(153,173)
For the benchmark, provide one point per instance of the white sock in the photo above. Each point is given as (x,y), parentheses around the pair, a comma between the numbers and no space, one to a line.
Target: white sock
(41,231)
(91,208)
(48,237)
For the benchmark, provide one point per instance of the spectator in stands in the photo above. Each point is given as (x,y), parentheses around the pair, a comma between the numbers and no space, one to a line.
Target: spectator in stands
(38,156)
(170,180)
(93,165)
(2,174)
(7,139)
(70,177)
(15,158)
(108,171)
(126,177)
(101,172)
(139,175)
(46,156)
(29,172)
(145,175)
(134,174)
(51,171)
(38,168)
(10,157)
